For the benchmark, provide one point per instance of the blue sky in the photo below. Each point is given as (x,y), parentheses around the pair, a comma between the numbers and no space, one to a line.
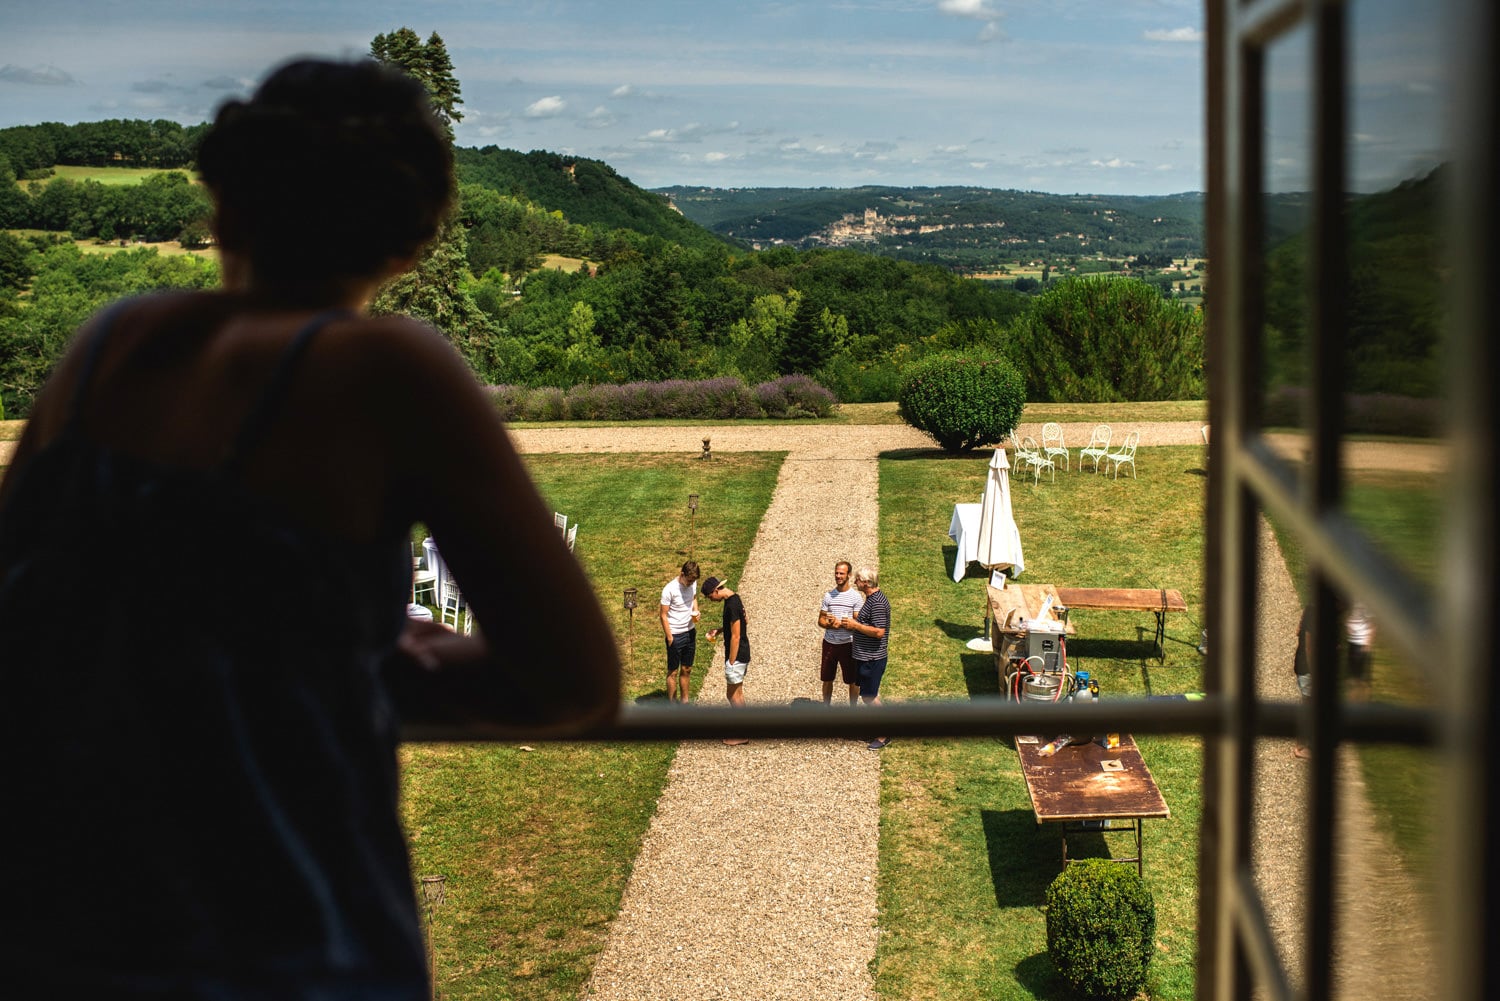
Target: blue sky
(1094,96)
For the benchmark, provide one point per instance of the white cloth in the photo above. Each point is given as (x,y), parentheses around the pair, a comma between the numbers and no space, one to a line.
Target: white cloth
(844,605)
(436,565)
(679,603)
(419,612)
(999,544)
(963,529)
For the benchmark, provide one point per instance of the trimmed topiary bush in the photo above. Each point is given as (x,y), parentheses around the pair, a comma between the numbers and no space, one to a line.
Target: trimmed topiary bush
(1101,928)
(962,401)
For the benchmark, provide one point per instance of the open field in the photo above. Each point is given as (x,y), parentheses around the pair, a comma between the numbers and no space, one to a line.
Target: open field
(109,175)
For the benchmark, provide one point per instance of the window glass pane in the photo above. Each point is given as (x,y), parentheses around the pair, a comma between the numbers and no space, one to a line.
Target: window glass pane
(1399,160)
(1387,942)
(1279,845)
(1285,219)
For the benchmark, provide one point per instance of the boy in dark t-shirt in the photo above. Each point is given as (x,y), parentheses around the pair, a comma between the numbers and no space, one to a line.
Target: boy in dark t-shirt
(736,632)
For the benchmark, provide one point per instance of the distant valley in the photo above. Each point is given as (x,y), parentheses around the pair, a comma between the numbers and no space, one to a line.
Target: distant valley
(964,228)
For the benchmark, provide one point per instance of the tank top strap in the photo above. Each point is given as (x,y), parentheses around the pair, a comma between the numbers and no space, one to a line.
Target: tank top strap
(265,408)
(92,350)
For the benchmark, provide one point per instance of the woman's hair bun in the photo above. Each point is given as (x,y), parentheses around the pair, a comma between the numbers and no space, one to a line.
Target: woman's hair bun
(330,169)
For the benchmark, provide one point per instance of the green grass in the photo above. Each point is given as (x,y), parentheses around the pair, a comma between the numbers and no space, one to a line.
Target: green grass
(963,864)
(535,844)
(110,175)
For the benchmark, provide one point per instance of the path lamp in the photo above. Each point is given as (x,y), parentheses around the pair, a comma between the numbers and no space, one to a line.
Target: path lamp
(630,611)
(432,896)
(693,515)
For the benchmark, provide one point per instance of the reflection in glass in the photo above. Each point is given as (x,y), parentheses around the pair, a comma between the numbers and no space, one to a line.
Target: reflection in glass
(1285,219)
(1279,840)
(1386,885)
(1398,155)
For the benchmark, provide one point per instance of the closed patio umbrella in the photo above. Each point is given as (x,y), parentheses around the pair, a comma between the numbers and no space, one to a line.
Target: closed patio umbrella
(999,539)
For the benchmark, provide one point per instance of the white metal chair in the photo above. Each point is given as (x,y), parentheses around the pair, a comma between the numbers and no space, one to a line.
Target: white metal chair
(561,521)
(423,580)
(1031,454)
(572,535)
(1124,455)
(1053,444)
(1023,450)
(453,603)
(1097,448)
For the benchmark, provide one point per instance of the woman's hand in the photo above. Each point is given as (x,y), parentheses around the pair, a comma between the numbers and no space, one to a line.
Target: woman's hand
(433,646)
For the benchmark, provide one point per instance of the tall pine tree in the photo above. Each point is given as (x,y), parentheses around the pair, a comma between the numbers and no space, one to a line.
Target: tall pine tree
(436,289)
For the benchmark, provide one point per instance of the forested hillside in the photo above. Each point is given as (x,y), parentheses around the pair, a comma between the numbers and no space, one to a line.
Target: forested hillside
(588,192)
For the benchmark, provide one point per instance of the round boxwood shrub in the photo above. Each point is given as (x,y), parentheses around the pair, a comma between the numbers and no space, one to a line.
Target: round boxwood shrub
(1101,928)
(962,401)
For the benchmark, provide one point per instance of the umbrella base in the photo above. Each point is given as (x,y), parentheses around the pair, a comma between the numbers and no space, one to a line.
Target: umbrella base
(981,643)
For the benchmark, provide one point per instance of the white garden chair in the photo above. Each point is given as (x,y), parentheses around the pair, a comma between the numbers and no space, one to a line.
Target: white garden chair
(1124,455)
(1097,448)
(423,580)
(1053,444)
(453,603)
(1031,454)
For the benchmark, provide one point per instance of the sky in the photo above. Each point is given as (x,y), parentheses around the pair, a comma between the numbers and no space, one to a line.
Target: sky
(1063,96)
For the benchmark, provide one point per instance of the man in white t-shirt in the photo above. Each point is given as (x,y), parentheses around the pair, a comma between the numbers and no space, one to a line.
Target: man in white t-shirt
(840,602)
(679,619)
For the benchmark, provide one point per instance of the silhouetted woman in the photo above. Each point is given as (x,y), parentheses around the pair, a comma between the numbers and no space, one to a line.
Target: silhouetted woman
(204,570)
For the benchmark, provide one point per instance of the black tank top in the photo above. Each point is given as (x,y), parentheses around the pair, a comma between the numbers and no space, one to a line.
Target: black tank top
(200,777)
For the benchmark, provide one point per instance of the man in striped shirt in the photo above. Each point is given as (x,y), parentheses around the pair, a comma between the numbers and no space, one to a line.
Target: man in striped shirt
(840,602)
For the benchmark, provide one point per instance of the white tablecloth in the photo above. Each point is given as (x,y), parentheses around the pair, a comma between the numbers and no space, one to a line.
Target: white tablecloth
(963,529)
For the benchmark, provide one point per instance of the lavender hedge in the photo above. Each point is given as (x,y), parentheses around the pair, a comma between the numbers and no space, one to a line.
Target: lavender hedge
(726,398)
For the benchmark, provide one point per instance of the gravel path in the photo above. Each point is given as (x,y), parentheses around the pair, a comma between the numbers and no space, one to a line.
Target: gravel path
(756,879)
(1384,946)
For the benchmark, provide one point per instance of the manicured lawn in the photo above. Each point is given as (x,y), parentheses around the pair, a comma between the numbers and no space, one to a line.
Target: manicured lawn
(963,864)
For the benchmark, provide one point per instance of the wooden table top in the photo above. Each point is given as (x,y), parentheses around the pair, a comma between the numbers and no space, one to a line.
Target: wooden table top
(1126,599)
(1089,782)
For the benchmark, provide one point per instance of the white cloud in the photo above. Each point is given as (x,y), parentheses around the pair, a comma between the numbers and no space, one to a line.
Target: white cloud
(1175,35)
(978,9)
(600,118)
(715,157)
(45,75)
(547,107)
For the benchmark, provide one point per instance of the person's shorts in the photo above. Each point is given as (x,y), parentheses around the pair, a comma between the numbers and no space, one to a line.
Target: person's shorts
(735,673)
(1359,662)
(682,650)
(838,657)
(870,673)
(1304,685)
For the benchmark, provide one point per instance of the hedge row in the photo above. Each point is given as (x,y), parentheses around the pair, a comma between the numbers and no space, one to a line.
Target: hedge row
(788,397)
